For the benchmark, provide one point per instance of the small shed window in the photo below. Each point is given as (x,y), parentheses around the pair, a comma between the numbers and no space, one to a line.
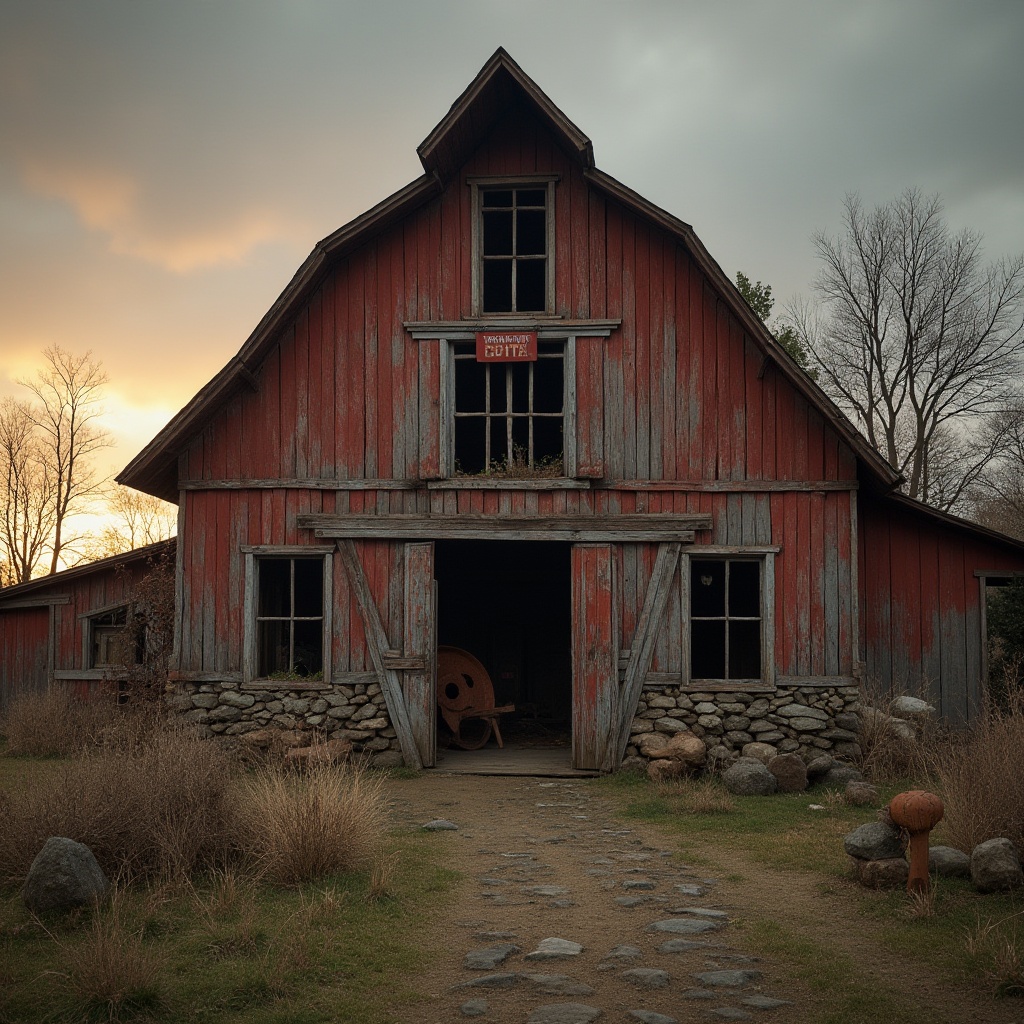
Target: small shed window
(509,417)
(514,243)
(110,643)
(290,617)
(725,619)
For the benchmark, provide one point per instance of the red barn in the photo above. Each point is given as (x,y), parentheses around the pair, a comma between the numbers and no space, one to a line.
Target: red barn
(517,409)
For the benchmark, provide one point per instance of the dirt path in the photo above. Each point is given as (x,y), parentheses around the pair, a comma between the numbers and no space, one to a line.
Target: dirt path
(546,858)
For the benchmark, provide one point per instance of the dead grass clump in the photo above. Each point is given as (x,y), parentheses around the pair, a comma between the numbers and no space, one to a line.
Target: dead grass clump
(109,973)
(696,795)
(155,811)
(995,945)
(981,783)
(894,748)
(55,723)
(301,828)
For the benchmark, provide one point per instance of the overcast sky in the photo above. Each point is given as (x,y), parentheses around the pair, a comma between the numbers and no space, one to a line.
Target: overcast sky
(166,165)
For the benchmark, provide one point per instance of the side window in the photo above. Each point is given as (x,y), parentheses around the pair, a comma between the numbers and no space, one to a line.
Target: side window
(514,242)
(726,615)
(289,617)
(110,645)
(509,417)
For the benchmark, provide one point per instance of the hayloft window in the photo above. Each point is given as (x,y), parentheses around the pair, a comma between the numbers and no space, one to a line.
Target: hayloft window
(110,644)
(514,243)
(509,417)
(726,619)
(290,617)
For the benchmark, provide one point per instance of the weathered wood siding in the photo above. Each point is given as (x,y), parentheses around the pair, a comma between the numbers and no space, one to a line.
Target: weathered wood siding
(920,622)
(24,652)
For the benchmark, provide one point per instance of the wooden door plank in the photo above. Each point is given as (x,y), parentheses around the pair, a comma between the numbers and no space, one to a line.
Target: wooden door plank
(641,649)
(418,628)
(377,644)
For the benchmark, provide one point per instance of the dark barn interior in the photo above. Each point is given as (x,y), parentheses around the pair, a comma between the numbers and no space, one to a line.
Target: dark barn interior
(508,604)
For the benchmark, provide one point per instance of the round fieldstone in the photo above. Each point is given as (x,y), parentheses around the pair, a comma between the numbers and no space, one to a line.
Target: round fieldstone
(558,985)
(624,952)
(727,979)
(554,949)
(790,773)
(684,926)
(838,775)
(64,875)
(650,1017)
(946,862)
(564,1013)
(890,873)
(440,825)
(874,841)
(647,977)
(489,958)
(749,778)
(995,866)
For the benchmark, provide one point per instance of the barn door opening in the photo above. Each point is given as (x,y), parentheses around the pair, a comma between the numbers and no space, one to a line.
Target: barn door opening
(507,604)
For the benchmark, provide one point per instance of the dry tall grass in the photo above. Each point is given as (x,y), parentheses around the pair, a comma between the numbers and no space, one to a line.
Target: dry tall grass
(302,827)
(155,809)
(54,723)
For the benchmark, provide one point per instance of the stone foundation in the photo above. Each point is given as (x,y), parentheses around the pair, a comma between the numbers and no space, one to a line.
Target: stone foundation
(805,720)
(356,713)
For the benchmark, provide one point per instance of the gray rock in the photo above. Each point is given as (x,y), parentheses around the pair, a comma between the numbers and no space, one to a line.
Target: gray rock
(489,958)
(818,766)
(548,890)
(474,1008)
(911,706)
(387,759)
(759,1002)
(647,977)
(719,915)
(763,752)
(684,926)
(874,841)
(680,946)
(727,979)
(860,794)
(440,825)
(729,1013)
(650,1017)
(806,724)
(888,873)
(947,862)
(237,700)
(624,953)
(792,711)
(554,949)
(637,883)
(507,979)
(689,889)
(839,775)
(558,985)
(632,901)
(995,865)
(747,778)
(790,773)
(564,1013)
(63,876)
(848,720)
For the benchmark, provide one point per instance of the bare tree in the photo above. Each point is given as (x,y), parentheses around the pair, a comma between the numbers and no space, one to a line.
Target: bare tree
(138,519)
(917,339)
(27,495)
(997,499)
(68,391)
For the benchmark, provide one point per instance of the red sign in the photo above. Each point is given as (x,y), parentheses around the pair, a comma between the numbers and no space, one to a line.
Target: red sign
(506,347)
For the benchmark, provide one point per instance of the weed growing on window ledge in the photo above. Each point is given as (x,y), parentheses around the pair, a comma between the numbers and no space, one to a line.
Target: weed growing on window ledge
(518,468)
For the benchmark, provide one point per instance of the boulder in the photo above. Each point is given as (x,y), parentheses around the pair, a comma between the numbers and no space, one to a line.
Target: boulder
(762,752)
(947,862)
(818,766)
(904,705)
(790,773)
(329,752)
(860,794)
(749,778)
(995,866)
(874,841)
(661,769)
(63,876)
(839,775)
(651,744)
(686,747)
(890,873)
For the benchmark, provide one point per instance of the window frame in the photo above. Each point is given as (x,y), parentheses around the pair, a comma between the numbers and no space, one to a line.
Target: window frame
(478,185)
(250,651)
(765,557)
(91,627)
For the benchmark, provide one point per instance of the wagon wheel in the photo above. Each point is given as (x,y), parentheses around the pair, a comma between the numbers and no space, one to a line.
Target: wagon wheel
(463,686)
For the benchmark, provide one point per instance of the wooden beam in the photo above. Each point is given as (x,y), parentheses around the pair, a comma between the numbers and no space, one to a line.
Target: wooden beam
(641,650)
(593,528)
(377,644)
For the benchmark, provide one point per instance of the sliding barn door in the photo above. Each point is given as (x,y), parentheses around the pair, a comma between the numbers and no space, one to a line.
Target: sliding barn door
(595,656)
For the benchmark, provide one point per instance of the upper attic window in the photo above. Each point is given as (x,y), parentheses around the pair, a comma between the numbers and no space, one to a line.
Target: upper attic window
(514,245)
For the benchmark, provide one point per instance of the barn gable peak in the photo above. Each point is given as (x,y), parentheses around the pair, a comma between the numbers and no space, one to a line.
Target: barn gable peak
(500,83)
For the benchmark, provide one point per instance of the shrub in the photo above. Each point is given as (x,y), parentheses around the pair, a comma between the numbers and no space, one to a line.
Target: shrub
(146,809)
(981,782)
(55,723)
(309,826)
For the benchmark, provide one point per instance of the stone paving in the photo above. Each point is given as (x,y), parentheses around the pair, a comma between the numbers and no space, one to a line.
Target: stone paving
(666,958)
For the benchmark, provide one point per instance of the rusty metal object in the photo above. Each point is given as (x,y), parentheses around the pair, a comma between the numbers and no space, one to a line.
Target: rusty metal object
(918,812)
(465,694)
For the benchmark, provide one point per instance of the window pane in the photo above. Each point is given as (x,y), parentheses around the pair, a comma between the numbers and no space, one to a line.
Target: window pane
(707,588)
(309,586)
(520,386)
(308,648)
(469,385)
(498,233)
(707,650)
(275,586)
(273,647)
(531,235)
(531,197)
(548,388)
(499,441)
(745,589)
(547,441)
(497,197)
(531,285)
(521,439)
(497,373)
(469,445)
(744,650)
(498,286)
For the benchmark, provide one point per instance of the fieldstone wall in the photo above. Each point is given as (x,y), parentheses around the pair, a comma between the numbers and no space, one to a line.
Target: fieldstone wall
(293,717)
(805,720)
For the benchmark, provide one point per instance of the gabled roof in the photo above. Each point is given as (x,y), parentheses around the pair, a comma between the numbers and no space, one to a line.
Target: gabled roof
(501,82)
(34,588)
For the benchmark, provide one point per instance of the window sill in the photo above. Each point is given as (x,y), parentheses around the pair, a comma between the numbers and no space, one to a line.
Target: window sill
(483,483)
(285,684)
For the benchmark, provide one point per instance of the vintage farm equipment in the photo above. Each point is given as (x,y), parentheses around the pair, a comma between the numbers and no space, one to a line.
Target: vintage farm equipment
(465,695)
